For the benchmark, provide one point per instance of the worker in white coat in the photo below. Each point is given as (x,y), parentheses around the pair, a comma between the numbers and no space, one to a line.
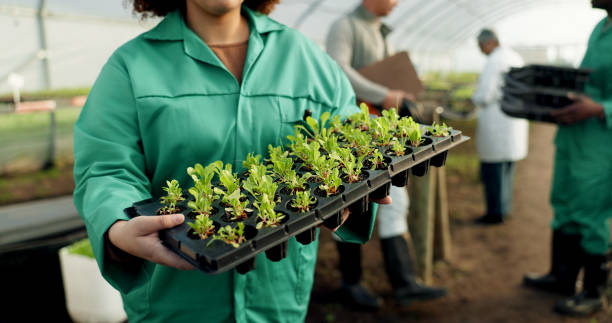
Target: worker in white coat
(501,140)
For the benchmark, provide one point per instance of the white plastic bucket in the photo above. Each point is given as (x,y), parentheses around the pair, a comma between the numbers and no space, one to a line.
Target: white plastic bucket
(89,298)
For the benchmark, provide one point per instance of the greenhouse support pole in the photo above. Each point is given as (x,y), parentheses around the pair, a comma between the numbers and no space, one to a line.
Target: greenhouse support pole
(46,77)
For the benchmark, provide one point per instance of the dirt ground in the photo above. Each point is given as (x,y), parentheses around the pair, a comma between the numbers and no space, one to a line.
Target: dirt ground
(485,272)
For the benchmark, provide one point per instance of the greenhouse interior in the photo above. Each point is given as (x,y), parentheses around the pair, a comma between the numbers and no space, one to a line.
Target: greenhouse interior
(306,160)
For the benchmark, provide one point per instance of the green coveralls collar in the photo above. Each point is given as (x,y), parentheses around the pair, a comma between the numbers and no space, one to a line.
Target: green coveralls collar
(174,28)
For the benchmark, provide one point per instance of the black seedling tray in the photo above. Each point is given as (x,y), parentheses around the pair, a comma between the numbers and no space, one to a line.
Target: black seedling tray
(535,95)
(513,106)
(570,79)
(219,256)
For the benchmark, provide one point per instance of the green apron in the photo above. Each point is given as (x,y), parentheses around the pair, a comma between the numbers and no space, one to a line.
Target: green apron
(164,102)
(582,194)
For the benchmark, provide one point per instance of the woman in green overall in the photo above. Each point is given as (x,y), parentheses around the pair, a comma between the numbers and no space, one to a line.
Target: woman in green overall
(581,195)
(215,80)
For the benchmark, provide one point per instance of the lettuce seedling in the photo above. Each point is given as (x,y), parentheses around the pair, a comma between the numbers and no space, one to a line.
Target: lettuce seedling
(335,124)
(282,168)
(203,226)
(295,182)
(331,144)
(317,131)
(376,159)
(332,182)
(237,206)
(438,130)
(234,236)
(398,146)
(203,198)
(392,117)
(303,200)
(174,195)
(350,166)
(250,161)
(228,179)
(361,120)
(415,136)
(381,131)
(267,216)
(405,126)
(322,167)
(204,175)
(276,153)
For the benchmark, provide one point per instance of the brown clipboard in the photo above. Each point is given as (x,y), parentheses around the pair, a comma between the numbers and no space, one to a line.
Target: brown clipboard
(394,72)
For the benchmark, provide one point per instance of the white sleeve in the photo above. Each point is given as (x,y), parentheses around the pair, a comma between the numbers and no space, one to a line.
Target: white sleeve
(488,90)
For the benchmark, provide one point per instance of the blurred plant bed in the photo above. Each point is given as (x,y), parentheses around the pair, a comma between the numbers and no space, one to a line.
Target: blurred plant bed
(463,163)
(21,187)
(46,94)
(452,91)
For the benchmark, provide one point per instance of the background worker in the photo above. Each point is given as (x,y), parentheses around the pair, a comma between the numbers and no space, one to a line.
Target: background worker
(501,140)
(355,41)
(581,197)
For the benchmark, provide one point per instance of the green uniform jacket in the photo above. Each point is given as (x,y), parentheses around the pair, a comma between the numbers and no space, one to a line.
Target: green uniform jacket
(164,102)
(581,194)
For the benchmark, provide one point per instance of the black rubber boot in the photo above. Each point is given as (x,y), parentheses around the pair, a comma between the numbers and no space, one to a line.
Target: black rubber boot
(592,298)
(565,266)
(400,269)
(352,292)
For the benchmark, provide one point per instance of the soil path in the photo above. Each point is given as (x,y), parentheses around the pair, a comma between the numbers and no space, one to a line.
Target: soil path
(485,273)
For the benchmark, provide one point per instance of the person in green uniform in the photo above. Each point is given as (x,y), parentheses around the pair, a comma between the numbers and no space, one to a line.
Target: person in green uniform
(581,195)
(214,80)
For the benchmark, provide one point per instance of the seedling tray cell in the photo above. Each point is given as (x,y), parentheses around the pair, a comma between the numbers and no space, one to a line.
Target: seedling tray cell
(216,256)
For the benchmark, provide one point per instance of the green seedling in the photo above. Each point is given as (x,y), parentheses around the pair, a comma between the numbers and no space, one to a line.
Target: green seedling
(259,183)
(331,184)
(203,198)
(361,120)
(323,166)
(228,179)
(276,153)
(282,168)
(237,206)
(174,195)
(335,124)
(405,127)
(392,117)
(351,166)
(415,136)
(318,132)
(202,191)
(311,153)
(296,183)
(204,175)
(398,146)
(377,160)
(381,131)
(234,236)
(303,201)
(250,161)
(438,130)
(331,144)
(267,216)
(297,141)
(203,226)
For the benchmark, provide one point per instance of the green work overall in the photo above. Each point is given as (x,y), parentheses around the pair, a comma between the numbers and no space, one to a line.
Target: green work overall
(164,102)
(582,194)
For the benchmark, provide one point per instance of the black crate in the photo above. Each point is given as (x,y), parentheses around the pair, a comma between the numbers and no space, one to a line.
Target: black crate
(567,78)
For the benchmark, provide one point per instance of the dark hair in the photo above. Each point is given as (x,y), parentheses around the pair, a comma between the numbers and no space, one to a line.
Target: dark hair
(160,8)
